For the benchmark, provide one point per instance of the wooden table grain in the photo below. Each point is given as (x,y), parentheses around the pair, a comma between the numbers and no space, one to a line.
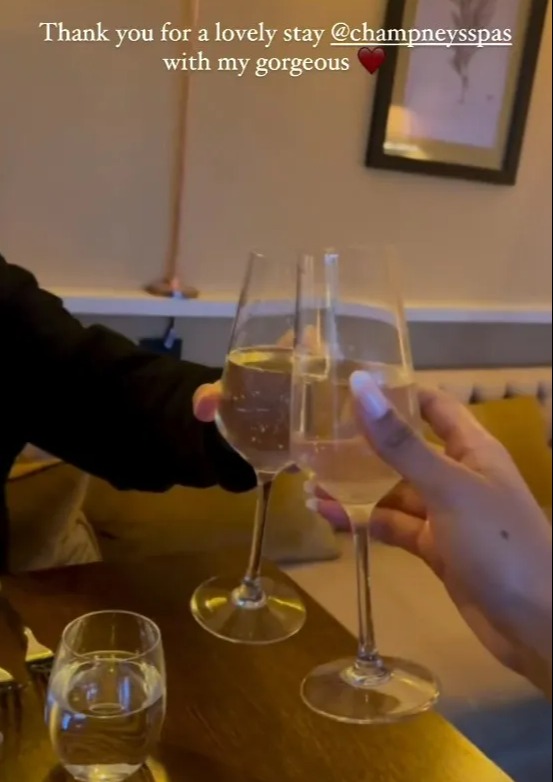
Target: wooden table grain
(234,712)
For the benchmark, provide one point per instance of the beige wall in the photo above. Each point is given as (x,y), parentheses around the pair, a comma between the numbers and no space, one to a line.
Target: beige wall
(278,162)
(87,155)
(87,143)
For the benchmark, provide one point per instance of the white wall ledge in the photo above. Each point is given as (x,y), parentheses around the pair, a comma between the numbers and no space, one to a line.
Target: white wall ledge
(136,303)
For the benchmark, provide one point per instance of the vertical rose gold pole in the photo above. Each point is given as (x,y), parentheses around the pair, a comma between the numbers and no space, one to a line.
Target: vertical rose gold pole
(172,284)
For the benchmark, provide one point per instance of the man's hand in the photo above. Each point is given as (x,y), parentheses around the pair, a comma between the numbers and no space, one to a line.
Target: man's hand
(207,397)
(206,400)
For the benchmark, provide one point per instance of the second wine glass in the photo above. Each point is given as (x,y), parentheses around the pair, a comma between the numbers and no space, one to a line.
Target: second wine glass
(350,318)
(254,418)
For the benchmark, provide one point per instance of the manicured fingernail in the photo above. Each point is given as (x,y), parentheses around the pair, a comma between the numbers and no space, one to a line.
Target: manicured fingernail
(309,487)
(312,504)
(368,393)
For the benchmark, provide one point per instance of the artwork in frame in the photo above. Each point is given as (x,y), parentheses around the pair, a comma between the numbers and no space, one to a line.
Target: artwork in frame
(457,111)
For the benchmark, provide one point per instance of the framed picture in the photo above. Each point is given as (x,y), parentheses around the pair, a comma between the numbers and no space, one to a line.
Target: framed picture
(457,111)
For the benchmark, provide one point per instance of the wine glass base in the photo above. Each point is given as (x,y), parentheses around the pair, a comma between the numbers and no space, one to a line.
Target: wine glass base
(217,608)
(406,690)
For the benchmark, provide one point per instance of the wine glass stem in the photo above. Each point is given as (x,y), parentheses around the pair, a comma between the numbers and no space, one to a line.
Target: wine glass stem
(251,590)
(369,668)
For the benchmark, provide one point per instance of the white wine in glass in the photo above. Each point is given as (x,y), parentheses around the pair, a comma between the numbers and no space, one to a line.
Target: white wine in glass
(350,318)
(341,461)
(260,432)
(254,418)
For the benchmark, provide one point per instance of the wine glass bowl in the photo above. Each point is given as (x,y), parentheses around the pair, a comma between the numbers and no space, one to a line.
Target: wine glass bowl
(254,418)
(254,411)
(328,444)
(349,306)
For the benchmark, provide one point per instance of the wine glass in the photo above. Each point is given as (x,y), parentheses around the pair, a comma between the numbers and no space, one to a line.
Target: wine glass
(106,696)
(350,317)
(254,418)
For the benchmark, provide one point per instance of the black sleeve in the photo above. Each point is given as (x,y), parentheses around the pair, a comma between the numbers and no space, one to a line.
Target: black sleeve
(92,398)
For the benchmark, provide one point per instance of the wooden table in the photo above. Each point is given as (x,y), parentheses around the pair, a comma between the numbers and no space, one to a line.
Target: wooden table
(234,712)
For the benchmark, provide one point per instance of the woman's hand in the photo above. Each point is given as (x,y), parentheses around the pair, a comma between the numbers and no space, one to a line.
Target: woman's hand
(469,515)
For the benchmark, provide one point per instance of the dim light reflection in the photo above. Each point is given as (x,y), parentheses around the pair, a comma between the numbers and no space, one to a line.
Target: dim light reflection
(219,602)
(158,771)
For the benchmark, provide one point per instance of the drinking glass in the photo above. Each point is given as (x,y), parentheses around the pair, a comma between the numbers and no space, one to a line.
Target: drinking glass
(107,694)
(254,418)
(350,317)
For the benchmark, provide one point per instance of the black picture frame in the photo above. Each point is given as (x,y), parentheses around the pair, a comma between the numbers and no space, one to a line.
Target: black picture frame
(504,174)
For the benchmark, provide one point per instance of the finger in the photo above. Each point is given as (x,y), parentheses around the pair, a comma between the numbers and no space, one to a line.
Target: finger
(397,442)
(314,490)
(397,529)
(405,498)
(454,424)
(206,400)
(310,339)
(331,510)
(287,339)
(390,526)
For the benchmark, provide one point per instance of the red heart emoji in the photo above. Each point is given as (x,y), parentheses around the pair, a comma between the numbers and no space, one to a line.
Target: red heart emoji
(371,59)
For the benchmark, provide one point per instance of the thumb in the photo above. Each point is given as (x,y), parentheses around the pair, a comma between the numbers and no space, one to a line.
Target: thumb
(206,400)
(396,441)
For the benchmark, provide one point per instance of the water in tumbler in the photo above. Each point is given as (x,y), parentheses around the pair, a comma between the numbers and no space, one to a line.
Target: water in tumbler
(328,444)
(104,716)
(254,412)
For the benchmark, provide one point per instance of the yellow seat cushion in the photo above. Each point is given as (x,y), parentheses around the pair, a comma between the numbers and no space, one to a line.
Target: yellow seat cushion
(518,424)
(131,524)
(31,461)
